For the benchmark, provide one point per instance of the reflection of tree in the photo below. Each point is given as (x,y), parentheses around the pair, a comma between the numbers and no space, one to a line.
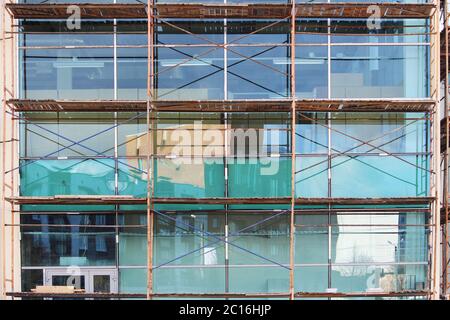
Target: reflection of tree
(362,258)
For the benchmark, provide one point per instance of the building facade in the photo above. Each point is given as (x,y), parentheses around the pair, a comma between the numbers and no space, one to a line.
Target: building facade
(277,150)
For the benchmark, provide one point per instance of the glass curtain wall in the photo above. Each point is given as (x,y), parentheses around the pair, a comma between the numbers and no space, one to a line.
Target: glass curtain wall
(380,251)
(358,245)
(370,252)
(334,59)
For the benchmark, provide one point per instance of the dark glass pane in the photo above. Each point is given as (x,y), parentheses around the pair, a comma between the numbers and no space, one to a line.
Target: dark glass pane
(102,283)
(77,281)
(31,278)
(62,240)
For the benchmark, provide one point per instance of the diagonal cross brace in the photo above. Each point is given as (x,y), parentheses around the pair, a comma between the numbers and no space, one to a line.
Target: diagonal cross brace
(234,234)
(222,240)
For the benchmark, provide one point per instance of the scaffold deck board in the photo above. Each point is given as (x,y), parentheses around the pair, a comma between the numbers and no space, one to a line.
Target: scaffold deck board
(221,295)
(102,200)
(325,105)
(217,10)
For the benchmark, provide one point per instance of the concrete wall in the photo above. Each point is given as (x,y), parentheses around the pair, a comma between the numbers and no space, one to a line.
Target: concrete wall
(9,242)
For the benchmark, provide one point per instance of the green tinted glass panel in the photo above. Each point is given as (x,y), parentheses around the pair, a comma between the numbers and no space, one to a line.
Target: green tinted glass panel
(133,280)
(198,280)
(266,177)
(260,279)
(67,177)
(372,176)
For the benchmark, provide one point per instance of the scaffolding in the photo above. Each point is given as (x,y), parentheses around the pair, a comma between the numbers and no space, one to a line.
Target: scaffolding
(445,123)
(290,12)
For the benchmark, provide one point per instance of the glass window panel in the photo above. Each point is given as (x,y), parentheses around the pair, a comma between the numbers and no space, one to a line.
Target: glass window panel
(261,279)
(190,73)
(360,72)
(131,131)
(263,177)
(378,240)
(78,74)
(311,67)
(372,176)
(56,33)
(31,278)
(264,76)
(379,278)
(77,281)
(133,239)
(261,134)
(76,241)
(132,280)
(175,178)
(311,177)
(312,133)
(195,178)
(391,132)
(311,239)
(67,134)
(132,73)
(102,283)
(66,177)
(189,240)
(189,280)
(311,279)
(263,236)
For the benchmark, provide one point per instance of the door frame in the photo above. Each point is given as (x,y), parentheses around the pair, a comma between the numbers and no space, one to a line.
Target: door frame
(87,272)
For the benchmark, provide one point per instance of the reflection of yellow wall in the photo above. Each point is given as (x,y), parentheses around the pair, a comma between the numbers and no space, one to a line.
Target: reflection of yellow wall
(193,174)
(179,170)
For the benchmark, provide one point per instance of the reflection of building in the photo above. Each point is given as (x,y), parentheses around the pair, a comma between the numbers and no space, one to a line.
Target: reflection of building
(179,143)
(355,170)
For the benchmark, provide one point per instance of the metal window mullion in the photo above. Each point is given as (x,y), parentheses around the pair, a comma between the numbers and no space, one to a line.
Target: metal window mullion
(225,157)
(329,284)
(116,153)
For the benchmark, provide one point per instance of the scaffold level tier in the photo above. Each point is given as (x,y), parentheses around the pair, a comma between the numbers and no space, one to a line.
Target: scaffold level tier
(103,200)
(325,105)
(218,10)
(217,295)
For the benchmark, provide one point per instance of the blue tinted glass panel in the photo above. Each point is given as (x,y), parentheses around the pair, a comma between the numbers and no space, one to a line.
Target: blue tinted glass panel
(360,72)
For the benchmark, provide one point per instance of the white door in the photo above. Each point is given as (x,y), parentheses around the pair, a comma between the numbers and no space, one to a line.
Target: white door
(92,280)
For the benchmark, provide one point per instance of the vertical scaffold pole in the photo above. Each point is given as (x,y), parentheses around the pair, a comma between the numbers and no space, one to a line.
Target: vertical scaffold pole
(12,156)
(3,162)
(150,144)
(435,152)
(444,262)
(293,158)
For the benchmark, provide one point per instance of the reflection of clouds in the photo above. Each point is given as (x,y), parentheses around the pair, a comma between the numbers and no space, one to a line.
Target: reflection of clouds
(209,256)
(44,176)
(91,168)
